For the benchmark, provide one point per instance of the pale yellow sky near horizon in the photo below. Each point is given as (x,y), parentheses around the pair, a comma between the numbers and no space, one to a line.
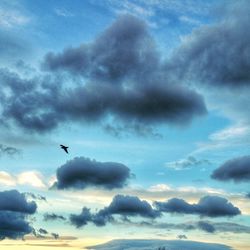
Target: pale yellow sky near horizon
(74,244)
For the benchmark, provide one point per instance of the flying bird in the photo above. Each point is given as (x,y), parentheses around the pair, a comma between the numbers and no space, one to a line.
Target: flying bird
(64,148)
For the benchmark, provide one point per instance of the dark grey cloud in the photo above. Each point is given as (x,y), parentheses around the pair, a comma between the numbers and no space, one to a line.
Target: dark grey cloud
(122,79)
(124,206)
(138,129)
(141,105)
(52,217)
(9,151)
(124,50)
(205,226)
(30,103)
(130,206)
(217,54)
(146,104)
(42,231)
(248,195)
(230,227)
(141,244)
(13,225)
(82,219)
(55,235)
(211,206)
(237,169)
(14,201)
(14,209)
(181,237)
(36,196)
(82,172)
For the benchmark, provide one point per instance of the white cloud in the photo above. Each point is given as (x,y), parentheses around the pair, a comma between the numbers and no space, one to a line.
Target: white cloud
(233,136)
(159,188)
(32,178)
(234,132)
(52,180)
(6,179)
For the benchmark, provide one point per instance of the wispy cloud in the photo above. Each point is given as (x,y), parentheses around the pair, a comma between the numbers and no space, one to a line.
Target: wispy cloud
(12,18)
(229,137)
(9,151)
(63,12)
(188,163)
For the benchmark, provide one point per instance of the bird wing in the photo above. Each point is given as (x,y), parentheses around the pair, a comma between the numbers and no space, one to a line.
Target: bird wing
(66,150)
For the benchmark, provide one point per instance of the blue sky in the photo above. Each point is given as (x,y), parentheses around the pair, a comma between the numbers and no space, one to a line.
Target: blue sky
(150,96)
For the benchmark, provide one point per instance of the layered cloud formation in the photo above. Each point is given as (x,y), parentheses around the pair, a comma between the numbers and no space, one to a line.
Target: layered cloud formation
(14,209)
(124,206)
(132,206)
(211,206)
(123,78)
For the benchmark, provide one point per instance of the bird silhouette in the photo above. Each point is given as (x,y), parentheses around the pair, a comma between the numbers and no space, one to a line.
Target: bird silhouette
(64,148)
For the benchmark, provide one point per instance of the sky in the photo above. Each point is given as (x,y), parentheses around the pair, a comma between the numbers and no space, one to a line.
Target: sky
(152,100)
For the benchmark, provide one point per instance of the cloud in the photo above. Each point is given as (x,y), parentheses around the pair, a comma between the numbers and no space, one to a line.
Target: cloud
(7,179)
(63,12)
(14,209)
(52,217)
(142,244)
(12,18)
(248,195)
(230,227)
(205,226)
(9,151)
(130,206)
(14,201)
(124,206)
(12,46)
(36,196)
(237,169)
(55,235)
(181,237)
(123,50)
(126,129)
(217,54)
(82,219)
(82,172)
(188,163)
(121,72)
(32,178)
(13,225)
(211,206)
(18,93)
(42,231)
(93,102)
